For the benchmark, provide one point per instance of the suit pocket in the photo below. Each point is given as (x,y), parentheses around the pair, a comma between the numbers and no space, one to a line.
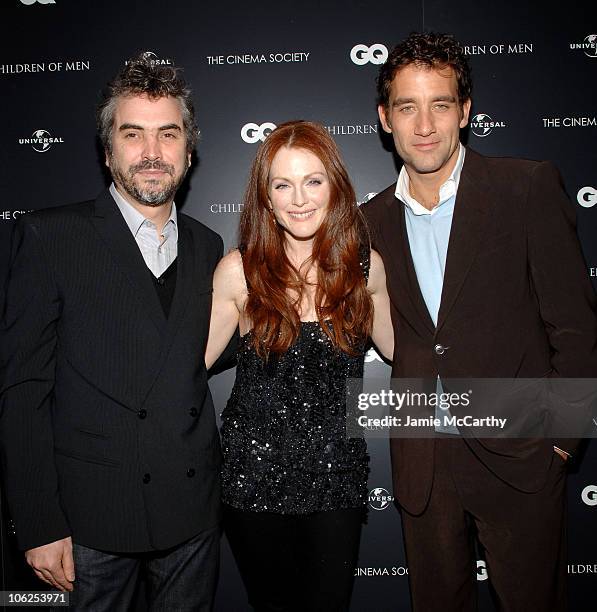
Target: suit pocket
(85,457)
(92,434)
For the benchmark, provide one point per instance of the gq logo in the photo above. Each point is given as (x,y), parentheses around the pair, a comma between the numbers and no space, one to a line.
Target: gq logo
(375,54)
(481,570)
(30,2)
(251,132)
(380,498)
(587,197)
(589,495)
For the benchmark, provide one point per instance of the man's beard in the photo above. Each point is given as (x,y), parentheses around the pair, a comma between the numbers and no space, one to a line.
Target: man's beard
(154,193)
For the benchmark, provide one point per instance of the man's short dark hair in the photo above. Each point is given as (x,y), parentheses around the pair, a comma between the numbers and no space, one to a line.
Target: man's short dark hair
(426,49)
(143,76)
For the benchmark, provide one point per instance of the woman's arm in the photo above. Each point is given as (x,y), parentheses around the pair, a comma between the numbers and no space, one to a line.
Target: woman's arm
(229,292)
(382,333)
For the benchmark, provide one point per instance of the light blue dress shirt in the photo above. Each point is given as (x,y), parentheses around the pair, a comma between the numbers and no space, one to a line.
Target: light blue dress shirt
(428,236)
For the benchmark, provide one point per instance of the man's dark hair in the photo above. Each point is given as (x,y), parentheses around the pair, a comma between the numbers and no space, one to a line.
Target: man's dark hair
(426,49)
(143,76)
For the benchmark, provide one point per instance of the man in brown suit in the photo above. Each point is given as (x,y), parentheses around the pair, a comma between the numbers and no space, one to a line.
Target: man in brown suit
(486,279)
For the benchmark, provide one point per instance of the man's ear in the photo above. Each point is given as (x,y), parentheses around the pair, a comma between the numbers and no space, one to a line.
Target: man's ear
(385,124)
(466,109)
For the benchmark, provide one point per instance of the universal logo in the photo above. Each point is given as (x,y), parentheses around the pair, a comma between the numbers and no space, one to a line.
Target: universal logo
(481,570)
(30,2)
(41,141)
(152,58)
(589,495)
(252,133)
(375,54)
(482,125)
(588,45)
(380,498)
(587,197)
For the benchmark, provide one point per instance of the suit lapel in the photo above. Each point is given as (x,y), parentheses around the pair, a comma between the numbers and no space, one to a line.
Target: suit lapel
(407,295)
(187,276)
(473,203)
(117,236)
(185,273)
(414,290)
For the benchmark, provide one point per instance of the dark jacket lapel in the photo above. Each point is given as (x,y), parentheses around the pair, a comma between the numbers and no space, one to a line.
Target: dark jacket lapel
(117,236)
(185,273)
(189,272)
(399,264)
(471,212)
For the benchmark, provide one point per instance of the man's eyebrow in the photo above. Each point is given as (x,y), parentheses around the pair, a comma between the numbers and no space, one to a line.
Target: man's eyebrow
(399,101)
(130,126)
(446,98)
(134,126)
(170,126)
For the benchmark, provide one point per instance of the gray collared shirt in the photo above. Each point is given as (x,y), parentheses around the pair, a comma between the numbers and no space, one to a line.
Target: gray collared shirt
(157,254)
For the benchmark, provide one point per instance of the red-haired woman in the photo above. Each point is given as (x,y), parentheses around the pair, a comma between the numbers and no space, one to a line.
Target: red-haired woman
(306,292)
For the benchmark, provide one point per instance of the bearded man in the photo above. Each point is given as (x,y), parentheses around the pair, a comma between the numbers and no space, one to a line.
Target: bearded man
(111,453)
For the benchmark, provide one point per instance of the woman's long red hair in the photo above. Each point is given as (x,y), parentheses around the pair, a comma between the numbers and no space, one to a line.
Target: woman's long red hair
(341,296)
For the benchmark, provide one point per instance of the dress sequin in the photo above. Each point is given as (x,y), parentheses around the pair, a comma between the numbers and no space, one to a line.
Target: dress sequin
(284,430)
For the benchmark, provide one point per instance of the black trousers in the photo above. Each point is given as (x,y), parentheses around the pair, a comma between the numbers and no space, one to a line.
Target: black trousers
(182,578)
(522,534)
(293,563)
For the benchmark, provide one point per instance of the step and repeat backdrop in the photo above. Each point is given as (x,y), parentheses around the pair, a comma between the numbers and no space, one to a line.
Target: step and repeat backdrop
(253,65)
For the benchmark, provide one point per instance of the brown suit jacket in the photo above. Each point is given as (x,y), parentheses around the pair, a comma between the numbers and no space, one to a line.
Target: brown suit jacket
(516,302)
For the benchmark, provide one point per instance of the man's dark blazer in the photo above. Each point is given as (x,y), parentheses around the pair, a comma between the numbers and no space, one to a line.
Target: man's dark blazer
(516,303)
(107,422)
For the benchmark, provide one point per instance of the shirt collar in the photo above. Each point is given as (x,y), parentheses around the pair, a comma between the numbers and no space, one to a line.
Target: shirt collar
(134,219)
(446,191)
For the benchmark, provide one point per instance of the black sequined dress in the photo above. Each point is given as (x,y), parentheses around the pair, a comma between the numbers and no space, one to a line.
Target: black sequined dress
(284,430)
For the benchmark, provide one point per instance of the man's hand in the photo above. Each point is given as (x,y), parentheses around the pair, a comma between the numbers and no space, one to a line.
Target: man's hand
(53,563)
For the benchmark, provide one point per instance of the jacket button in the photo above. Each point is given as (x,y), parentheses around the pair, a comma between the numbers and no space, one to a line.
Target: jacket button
(142,413)
(439,349)
(193,412)
(190,472)
(146,478)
